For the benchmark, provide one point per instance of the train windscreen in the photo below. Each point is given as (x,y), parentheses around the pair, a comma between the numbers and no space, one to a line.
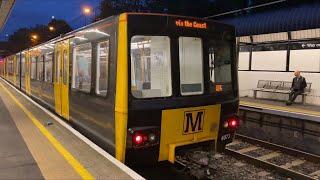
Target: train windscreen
(193,57)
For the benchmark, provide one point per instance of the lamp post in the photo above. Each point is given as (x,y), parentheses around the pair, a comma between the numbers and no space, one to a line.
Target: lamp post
(51,28)
(87,12)
(34,39)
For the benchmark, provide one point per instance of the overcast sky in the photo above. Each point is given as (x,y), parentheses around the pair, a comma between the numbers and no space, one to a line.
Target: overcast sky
(27,13)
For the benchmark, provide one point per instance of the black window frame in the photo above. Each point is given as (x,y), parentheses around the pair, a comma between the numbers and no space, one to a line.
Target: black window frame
(52,67)
(95,64)
(36,73)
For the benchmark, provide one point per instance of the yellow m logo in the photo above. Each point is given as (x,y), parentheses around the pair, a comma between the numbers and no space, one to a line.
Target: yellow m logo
(193,121)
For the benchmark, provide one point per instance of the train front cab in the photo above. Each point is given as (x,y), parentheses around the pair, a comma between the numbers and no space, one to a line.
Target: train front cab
(181,86)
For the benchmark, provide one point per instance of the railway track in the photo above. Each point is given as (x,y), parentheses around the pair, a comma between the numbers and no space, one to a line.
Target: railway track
(286,161)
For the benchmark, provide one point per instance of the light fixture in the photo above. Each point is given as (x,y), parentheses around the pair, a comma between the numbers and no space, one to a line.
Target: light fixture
(34,36)
(86,10)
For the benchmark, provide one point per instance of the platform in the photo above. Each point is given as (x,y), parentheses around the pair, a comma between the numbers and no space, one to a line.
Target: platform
(35,144)
(308,112)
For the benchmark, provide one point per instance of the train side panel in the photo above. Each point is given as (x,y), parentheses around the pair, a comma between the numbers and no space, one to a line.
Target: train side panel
(92,82)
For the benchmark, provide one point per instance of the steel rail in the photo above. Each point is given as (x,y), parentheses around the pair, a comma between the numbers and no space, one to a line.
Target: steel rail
(266,165)
(293,152)
(275,147)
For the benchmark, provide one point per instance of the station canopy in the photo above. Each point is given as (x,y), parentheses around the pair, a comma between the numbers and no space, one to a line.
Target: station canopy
(284,19)
(5,8)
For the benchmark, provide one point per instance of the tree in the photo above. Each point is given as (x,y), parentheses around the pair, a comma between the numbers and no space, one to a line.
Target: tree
(23,38)
(58,27)
(198,8)
(113,7)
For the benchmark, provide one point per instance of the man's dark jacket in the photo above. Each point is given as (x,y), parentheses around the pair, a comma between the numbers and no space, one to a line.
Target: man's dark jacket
(299,83)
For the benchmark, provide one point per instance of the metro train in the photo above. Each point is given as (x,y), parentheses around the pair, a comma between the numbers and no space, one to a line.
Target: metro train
(139,85)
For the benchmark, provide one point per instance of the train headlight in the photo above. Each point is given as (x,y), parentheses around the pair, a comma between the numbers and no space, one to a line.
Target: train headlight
(226,124)
(143,137)
(152,137)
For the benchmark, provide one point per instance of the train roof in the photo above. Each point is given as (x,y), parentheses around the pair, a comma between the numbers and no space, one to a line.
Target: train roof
(69,34)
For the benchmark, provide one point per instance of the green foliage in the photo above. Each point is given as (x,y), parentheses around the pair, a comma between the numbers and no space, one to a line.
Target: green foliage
(113,7)
(60,27)
(22,38)
(197,8)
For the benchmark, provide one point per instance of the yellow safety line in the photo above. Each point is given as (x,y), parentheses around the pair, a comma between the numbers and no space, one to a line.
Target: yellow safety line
(280,108)
(58,146)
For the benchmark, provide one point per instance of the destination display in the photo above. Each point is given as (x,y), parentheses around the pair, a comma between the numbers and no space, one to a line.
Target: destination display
(191,24)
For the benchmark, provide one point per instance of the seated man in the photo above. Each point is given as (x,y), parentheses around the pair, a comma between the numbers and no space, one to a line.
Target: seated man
(297,87)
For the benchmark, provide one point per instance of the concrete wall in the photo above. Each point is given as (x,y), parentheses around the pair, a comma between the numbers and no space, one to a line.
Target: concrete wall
(249,79)
(293,133)
(304,60)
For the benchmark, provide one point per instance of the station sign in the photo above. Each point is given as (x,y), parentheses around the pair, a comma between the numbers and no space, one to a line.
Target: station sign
(310,45)
(305,45)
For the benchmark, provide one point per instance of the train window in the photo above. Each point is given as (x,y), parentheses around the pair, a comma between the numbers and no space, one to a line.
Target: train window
(150,66)
(82,56)
(57,66)
(220,59)
(102,68)
(23,66)
(65,67)
(34,67)
(191,65)
(48,67)
(18,65)
(10,67)
(40,69)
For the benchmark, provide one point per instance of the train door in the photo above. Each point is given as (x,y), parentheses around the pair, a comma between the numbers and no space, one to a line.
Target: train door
(27,73)
(61,78)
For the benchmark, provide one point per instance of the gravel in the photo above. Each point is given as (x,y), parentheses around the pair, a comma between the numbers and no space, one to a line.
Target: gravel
(307,168)
(259,152)
(282,159)
(229,168)
(239,146)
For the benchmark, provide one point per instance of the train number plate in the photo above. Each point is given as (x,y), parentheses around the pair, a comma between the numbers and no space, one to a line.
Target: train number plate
(225,137)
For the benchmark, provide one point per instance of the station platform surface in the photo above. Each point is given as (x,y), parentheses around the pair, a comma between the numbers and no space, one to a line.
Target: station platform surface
(34,144)
(311,111)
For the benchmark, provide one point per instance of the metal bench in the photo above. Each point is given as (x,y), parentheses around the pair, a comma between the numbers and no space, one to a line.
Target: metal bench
(282,87)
